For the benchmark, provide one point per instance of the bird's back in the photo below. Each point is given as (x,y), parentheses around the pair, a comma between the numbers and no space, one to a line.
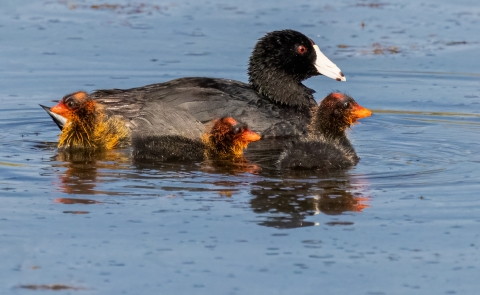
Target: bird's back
(207,99)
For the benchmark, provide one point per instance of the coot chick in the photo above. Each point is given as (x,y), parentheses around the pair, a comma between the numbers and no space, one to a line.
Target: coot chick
(227,138)
(275,103)
(84,125)
(327,146)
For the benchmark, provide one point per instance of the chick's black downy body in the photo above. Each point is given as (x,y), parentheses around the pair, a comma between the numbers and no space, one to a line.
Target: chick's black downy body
(326,146)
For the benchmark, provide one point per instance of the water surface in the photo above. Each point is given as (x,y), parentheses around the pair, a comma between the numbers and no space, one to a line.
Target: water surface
(404,221)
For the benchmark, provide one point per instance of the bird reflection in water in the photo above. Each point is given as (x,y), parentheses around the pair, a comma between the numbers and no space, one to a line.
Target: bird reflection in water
(287,203)
(213,166)
(284,198)
(79,169)
(237,166)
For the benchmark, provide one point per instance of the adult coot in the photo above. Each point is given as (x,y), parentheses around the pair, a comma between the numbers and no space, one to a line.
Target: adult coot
(275,102)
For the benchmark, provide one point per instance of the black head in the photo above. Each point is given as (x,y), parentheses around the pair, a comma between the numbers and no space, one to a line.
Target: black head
(281,60)
(288,51)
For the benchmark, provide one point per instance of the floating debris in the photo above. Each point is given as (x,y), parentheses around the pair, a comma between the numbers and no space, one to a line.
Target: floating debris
(372,5)
(76,212)
(457,43)
(333,223)
(380,49)
(376,48)
(54,287)
(133,8)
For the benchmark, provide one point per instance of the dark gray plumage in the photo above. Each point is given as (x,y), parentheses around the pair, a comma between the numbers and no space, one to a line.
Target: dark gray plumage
(274,104)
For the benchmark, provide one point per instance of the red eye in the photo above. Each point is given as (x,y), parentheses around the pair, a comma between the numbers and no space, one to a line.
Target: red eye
(301,49)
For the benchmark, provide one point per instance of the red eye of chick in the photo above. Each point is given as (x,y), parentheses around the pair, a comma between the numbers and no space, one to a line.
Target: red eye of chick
(301,49)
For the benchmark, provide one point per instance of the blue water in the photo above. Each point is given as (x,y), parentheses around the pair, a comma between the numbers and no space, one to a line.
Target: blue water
(404,221)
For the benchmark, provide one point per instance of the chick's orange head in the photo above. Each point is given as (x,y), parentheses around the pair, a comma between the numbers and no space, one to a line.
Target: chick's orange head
(352,109)
(239,130)
(69,104)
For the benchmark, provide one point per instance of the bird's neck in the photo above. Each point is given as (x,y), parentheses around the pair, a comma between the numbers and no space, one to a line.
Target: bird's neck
(280,87)
(223,147)
(325,130)
(332,129)
(329,127)
(79,130)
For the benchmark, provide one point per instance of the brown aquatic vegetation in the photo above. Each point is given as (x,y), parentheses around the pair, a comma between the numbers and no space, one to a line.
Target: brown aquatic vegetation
(380,49)
(376,48)
(130,8)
